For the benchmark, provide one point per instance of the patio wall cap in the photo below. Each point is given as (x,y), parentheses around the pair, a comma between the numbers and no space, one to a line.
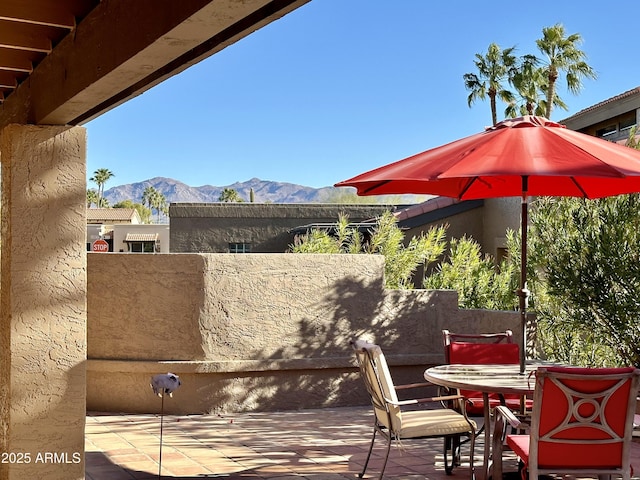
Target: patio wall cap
(230,366)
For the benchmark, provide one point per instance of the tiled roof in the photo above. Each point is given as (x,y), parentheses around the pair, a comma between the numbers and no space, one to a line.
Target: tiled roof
(425,207)
(628,93)
(141,237)
(122,214)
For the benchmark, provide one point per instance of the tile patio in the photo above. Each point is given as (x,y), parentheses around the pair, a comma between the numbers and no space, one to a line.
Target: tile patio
(325,444)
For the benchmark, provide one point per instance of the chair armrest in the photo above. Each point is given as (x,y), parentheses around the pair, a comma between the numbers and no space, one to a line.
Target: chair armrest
(413,385)
(509,416)
(497,439)
(415,401)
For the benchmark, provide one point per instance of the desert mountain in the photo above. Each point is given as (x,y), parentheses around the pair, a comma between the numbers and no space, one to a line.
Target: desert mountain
(264,191)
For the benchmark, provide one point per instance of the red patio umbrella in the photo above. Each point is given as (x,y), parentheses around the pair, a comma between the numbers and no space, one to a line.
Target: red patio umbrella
(520,157)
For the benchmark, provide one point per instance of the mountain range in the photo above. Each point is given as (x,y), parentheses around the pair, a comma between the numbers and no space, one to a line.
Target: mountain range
(264,191)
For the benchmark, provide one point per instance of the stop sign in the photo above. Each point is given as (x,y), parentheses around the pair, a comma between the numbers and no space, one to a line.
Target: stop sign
(100,246)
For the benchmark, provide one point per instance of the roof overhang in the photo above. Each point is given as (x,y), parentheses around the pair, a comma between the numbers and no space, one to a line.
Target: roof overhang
(118,50)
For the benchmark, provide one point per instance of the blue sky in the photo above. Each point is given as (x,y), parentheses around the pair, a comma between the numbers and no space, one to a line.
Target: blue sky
(339,87)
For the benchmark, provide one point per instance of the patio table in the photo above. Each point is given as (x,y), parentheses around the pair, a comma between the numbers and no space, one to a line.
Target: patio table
(500,379)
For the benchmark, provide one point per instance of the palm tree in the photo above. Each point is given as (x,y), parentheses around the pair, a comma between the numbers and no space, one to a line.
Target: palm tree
(100,177)
(562,55)
(159,203)
(527,80)
(494,69)
(155,200)
(92,197)
(147,196)
(531,85)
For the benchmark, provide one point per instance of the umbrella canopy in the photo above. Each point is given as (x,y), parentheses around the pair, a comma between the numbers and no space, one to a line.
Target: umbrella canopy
(520,157)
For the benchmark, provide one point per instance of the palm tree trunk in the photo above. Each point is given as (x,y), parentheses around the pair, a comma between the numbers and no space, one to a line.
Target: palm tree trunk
(551,91)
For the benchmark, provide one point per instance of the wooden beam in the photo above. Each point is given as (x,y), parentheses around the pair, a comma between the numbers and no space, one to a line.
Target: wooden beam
(31,38)
(123,48)
(37,12)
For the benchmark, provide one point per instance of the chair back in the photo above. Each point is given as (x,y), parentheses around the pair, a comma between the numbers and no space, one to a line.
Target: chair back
(480,348)
(377,379)
(582,418)
(484,353)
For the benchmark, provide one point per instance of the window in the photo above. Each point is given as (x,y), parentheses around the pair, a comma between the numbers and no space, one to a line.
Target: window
(239,248)
(142,247)
(628,121)
(501,254)
(606,131)
(142,242)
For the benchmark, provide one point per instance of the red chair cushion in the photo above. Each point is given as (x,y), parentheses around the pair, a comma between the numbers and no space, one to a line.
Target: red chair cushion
(591,456)
(484,353)
(555,407)
(467,353)
(520,445)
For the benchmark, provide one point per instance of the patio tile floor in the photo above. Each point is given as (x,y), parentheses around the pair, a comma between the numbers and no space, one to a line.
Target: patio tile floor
(324,444)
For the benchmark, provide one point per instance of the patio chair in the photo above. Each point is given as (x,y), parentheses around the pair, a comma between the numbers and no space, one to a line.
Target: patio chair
(581,423)
(483,349)
(395,423)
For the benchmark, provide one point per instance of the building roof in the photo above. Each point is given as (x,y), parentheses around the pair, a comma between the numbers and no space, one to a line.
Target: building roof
(430,205)
(102,215)
(628,93)
(141,237)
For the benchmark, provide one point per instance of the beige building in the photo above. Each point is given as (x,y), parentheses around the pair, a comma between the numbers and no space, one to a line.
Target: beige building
(123,232)
(112,216)
(146,238)
(611,119)
(100,222)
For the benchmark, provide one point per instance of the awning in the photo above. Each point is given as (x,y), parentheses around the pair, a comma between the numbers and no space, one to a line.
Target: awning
(141,237)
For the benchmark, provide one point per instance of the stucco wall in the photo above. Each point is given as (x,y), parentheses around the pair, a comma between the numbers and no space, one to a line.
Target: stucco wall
(255,332)
(43,310)
(500,214)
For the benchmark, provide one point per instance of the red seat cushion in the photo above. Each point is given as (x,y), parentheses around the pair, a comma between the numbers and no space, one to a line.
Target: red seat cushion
(585,456)
(520,445)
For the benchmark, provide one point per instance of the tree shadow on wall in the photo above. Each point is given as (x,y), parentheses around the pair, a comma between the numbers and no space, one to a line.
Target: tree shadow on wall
(323,371)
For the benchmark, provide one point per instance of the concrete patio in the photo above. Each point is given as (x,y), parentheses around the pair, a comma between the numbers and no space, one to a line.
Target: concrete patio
(325,444)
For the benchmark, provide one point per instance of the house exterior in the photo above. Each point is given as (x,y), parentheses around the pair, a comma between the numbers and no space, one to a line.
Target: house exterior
(145,238)
(253,227)
(100,223)
(611,119)
(122,230)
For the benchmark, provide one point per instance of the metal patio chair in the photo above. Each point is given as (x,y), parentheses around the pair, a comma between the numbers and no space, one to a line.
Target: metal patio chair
(482,349)
(581,423)
(395,423)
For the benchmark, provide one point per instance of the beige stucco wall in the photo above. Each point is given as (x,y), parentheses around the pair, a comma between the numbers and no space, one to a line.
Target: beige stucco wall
(256,331)
(43,314)
(499,215)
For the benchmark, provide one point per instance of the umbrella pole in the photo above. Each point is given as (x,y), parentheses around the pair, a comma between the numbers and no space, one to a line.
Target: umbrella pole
(523,293)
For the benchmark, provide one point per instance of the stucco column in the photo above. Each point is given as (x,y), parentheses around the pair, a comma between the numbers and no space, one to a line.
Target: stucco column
(43,302)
